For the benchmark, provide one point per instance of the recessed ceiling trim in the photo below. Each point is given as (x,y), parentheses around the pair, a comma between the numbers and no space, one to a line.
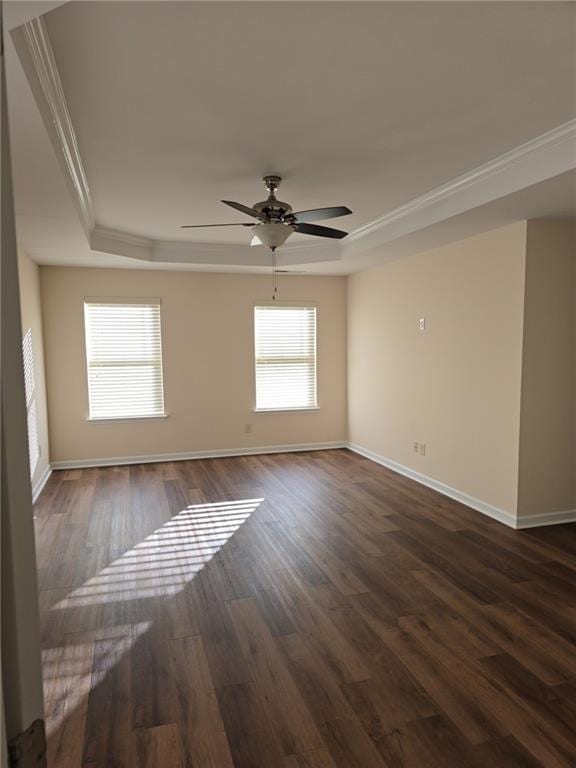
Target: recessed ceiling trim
(47,87)
(120,244)
(537,160)
(33,44)
(174,251)
(541,158)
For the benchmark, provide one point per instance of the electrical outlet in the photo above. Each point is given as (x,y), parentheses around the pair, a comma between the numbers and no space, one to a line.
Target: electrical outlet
(422,449)
(248,429)
(416,447)
(422,323)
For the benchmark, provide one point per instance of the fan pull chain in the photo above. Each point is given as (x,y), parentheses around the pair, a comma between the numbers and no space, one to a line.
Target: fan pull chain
(274,286)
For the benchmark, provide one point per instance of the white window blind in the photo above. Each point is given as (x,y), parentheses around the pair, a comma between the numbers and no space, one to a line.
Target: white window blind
(124,359)
(30,389)
(285,340)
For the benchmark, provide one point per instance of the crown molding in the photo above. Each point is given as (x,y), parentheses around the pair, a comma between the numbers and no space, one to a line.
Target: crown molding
(33,43)
(120,243)
(541,158)
(239,255)
(222,254)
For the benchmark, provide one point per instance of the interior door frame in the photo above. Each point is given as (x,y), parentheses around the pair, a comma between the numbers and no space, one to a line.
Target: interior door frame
(21,668)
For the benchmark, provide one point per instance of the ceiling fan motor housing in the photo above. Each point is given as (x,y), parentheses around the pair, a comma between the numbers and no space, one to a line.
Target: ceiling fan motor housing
(272,208)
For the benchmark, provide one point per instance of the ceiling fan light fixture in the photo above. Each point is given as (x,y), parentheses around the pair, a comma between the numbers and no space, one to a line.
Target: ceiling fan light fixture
(277,220)
(272,234)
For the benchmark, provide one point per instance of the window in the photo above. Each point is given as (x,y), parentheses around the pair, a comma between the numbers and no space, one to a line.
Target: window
(30,389)
(285,340)
(124,359)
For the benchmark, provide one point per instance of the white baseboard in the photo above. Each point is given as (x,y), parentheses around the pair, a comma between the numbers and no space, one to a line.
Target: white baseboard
(188,455)
(549,518)
(480,506)
(531,521)
(38,487)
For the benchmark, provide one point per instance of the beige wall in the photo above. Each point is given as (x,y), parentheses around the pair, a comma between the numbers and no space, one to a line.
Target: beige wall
(31,313)
(454,386)
(489,386)
(208,352)
(548,427)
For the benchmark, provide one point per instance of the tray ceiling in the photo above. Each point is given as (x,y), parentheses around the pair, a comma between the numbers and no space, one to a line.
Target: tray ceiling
(372,105)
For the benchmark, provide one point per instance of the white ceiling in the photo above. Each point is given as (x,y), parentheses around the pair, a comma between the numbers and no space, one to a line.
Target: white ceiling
(177,105)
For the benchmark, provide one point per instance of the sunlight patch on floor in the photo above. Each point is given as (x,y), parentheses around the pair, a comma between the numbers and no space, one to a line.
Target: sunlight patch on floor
(168,559)
(69,671)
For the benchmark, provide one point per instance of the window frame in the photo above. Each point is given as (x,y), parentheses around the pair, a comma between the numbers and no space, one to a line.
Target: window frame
(280,305)
(123,300)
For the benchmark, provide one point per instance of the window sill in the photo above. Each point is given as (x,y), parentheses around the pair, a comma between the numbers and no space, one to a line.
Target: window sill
(161,417)
(277,410)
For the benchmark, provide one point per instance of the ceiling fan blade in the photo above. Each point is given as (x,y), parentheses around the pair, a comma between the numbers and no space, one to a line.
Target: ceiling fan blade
(317,214)
(314,229)
(242,208)
(192,226)
(256,241)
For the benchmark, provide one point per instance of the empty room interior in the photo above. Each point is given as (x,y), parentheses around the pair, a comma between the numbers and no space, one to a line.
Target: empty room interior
(289,384)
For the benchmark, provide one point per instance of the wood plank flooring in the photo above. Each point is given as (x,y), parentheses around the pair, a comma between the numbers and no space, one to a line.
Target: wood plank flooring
(309,610)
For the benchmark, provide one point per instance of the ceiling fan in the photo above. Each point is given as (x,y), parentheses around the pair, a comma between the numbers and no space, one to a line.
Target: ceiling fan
(276,220)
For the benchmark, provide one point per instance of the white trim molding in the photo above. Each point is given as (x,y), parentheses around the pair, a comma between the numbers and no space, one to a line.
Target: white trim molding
(548,518)
(38,486)
(190,455)
(495,513)
(223,254)
(530,521)
(532,162)
(120,243)
(509,519)
(541,158)
(41,69)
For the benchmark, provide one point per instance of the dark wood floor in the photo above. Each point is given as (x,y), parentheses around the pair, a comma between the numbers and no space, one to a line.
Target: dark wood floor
(304,610)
